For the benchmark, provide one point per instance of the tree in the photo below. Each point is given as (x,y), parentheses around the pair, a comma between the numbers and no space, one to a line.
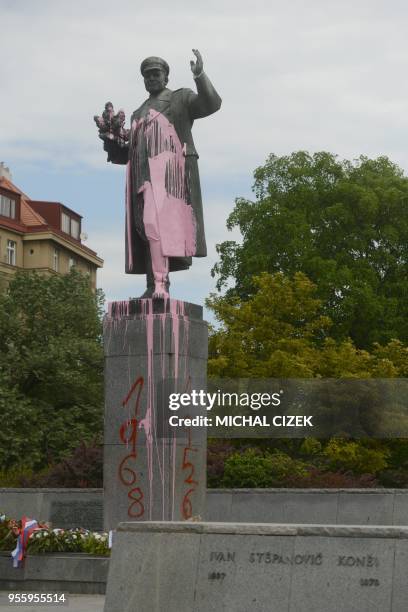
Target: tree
(280,332)
(51,367)
(343,224)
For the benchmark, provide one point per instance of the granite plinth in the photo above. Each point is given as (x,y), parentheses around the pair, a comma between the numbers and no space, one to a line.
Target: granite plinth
(152,471)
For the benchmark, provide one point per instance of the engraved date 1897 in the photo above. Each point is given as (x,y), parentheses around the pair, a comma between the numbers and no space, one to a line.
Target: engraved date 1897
(217,576)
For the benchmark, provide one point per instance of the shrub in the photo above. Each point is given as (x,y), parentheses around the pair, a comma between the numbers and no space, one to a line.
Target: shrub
(254,469)
(394,478)
(217,453)
(355,456)
(13,476)
(310,446)
(83,469)
(320,479)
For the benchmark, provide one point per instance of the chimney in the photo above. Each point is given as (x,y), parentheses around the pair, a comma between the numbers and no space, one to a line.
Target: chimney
(4,171)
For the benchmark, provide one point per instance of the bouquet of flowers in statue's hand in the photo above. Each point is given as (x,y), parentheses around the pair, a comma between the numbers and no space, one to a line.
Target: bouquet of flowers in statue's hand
(104,122)
(112,127)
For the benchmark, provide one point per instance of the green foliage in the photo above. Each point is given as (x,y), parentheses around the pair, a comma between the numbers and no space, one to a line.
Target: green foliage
(308,463)
(357,456)
(51,365)
(280,331)
(45,539)
(49,540)
(255,469)
(53,540)
(16,476)
(8,538)
(96,544)
(310,446)
(343,224)
(84,468)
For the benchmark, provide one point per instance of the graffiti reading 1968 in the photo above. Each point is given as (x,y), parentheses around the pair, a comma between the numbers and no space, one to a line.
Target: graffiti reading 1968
(128,435)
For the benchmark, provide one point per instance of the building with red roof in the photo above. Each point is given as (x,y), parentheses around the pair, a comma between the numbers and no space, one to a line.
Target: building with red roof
(40,235)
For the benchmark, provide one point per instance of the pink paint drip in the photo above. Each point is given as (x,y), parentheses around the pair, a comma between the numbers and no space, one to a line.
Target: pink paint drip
(147,422)
(128,200)
(163,373)
(118,310)
(176,310)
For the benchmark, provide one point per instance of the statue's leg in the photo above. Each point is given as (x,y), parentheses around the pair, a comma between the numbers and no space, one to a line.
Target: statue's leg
(149,274)
(157,265)
(160,267)
(150,289)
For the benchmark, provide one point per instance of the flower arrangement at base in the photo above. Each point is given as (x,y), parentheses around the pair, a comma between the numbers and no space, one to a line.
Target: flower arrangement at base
(42,538)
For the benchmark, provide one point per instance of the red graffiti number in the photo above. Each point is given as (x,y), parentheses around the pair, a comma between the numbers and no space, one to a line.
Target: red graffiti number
(188,466)
(128,435)
(136,508)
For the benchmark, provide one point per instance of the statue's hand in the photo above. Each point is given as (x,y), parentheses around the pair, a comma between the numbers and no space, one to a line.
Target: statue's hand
(197,67)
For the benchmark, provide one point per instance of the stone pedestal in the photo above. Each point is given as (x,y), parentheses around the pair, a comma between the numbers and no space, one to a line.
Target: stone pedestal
(227,567)
(152,471)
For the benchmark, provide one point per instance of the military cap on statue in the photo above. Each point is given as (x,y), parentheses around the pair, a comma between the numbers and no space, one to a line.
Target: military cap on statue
(152,63)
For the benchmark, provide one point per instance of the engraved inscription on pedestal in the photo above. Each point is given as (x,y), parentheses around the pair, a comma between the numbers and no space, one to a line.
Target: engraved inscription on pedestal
(73,513)
(260,567)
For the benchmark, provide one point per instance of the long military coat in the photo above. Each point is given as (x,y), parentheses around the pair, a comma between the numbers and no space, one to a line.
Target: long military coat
(161,127)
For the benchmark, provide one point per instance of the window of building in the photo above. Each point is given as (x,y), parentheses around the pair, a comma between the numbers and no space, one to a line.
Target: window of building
(70,226)
(7,207)
(55,263)
(72,262)
(11,252)
(74,229)
(65,223)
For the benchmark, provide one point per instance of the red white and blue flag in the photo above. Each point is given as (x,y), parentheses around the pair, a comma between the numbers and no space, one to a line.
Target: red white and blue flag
(28,526)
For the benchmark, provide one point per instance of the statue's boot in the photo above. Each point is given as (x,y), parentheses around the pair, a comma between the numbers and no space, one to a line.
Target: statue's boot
(157,274)
(149,280)
(161,287)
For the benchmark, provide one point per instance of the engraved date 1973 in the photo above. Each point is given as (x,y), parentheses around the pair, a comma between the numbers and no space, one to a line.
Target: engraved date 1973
(369,582)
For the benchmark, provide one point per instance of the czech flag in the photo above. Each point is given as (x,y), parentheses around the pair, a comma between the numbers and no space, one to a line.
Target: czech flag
(28,526)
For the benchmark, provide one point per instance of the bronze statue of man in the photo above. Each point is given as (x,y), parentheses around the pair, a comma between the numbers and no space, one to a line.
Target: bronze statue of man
(164,214)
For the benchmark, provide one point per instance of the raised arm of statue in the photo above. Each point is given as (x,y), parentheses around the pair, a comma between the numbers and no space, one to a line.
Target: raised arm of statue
(206,101)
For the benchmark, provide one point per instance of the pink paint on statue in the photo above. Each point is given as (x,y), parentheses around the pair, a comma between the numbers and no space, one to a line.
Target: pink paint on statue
(128,199)
(167,215)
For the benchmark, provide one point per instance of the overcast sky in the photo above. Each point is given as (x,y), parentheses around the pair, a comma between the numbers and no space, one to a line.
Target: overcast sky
(315,75)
